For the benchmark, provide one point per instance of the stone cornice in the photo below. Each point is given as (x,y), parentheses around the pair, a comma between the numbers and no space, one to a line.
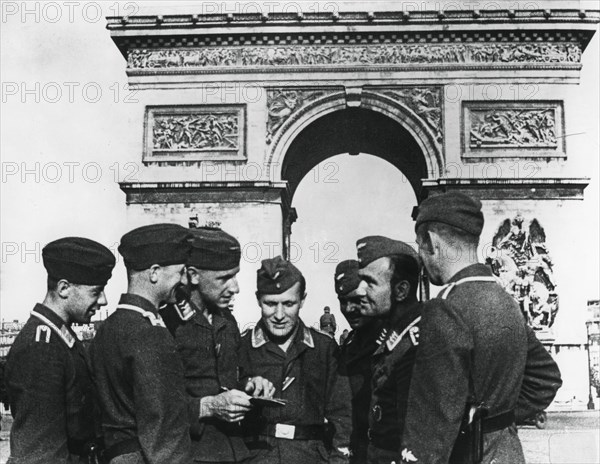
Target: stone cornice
(206,192)
(352,28)
(511,189)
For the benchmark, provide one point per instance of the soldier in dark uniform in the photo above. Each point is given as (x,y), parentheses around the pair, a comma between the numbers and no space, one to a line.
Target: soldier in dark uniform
(327,322)
(389,270)
(473,347)
(356,352)
(145,412)
(48,376)
(303,363)
(208,341)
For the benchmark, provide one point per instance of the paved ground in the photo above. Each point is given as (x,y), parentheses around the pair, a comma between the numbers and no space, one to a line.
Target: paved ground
(569,438)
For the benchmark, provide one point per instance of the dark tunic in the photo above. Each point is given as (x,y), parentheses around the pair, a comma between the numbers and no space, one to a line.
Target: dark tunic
(140,383)
(210,358)
(392,371)
(51,392)
(473,347)
(317,392)
(355,363)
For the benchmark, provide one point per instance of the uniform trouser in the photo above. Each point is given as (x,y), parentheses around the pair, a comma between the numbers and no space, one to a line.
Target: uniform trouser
(381,456)
(283,451)
(129,458)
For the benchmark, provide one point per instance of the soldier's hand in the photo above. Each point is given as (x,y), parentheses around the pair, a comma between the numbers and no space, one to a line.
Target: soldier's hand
(259,386)
(230,406)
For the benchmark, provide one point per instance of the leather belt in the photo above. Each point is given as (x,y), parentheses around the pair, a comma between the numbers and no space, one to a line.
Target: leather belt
(294,432)
(123,447)
(499,422)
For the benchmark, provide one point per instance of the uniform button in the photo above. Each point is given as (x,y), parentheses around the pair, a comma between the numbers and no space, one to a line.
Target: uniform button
(376,413)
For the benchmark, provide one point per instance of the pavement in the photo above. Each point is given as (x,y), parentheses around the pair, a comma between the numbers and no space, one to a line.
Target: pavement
(569,438)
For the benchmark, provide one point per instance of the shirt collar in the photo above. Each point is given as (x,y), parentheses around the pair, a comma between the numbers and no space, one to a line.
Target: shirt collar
(139,301)
(260,337)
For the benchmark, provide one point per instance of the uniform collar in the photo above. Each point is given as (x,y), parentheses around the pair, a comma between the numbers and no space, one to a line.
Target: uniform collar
(260,338)
(139,301)
(404,314)
(472,270)
(54,321)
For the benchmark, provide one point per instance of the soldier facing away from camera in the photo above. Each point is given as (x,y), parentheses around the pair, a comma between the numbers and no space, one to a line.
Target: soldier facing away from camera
(48,376)
(470,379)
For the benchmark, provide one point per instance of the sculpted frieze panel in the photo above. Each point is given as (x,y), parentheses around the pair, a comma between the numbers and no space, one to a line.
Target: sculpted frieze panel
(522,261)
(355,55)
(513,129)
(194,132)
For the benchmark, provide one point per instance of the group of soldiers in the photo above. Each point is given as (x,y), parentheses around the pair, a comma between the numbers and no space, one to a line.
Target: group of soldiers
(169,379)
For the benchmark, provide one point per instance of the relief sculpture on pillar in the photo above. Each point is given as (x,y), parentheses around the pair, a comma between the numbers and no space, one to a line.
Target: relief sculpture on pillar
(521,260)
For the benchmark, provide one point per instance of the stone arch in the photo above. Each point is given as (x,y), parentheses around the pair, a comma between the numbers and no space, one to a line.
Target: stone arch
(338,106)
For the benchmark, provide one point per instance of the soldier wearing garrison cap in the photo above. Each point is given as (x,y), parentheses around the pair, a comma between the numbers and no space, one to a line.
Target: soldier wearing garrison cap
(475,353)
(47,372)
(303,363)
(356,352)
(389,272)
(139,377)
(207,339)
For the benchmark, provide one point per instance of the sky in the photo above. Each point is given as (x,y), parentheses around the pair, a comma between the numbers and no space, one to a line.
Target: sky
(67,136)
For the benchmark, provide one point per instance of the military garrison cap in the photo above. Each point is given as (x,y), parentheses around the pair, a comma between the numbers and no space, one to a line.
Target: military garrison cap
(276,275)
(78,260)
(162,244)
(346,277)
(453,208)
(214,249)
(374,247)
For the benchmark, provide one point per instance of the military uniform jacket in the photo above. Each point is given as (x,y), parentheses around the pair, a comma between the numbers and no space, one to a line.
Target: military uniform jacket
(473,347)
(210,359)
(51,391)
(314,392)
(392,371)
(139,378)
(355,363)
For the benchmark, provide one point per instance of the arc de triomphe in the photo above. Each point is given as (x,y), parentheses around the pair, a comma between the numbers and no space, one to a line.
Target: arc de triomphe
(240,107)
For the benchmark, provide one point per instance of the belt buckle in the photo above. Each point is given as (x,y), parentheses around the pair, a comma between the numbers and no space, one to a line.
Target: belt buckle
(286,431)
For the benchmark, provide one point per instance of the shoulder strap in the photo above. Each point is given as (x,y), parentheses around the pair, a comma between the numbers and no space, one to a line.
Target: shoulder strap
(154,319)
(448,288)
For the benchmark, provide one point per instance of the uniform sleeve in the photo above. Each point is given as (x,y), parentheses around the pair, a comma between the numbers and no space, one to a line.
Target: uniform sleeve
(541,380)
(161,407)
(439,388)
(37,383)
(338,408)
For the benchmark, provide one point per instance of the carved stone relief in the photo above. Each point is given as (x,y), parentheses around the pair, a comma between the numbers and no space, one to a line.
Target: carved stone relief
(512,129)
(194,133)
(521,259)
(425,102)
(282,103)
(355,55)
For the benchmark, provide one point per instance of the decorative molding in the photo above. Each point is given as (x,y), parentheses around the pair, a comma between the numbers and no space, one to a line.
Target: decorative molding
(425,102)
(510,189)
(206,192)
(253,17)
(308,56)
(195,133)
(503,129)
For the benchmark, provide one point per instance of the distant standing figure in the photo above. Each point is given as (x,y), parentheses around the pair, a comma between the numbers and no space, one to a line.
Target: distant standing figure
(344,336)
(327,322)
